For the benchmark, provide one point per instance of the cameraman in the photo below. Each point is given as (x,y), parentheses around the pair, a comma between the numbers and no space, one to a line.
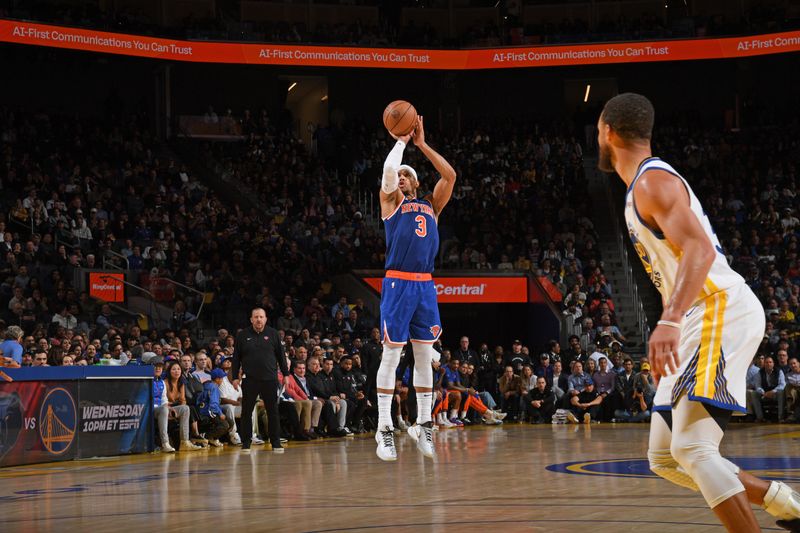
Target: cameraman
(637,410)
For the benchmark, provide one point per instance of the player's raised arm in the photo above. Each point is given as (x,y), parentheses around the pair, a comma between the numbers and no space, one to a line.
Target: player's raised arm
(390,194)
(444,187)
(662,198)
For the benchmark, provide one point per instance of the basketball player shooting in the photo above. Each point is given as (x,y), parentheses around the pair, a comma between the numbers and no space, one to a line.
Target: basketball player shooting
(710,329)
(408,297)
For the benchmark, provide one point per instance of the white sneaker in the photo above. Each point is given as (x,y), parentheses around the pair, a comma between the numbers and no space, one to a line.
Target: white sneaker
(402,425)
(571,417)
(256,440)
(446,423)
(386,450)
(423,435)
(166,448)
(189,446)
(215,443)
(235,440)
(499,416)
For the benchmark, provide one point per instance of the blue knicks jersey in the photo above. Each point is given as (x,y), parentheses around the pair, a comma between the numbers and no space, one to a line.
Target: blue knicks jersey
(412,237)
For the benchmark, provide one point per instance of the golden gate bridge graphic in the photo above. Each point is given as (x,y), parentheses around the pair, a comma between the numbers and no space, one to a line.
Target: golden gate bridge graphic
(57,432)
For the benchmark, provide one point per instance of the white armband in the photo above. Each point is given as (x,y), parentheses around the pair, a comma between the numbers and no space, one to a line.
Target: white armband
(390,179)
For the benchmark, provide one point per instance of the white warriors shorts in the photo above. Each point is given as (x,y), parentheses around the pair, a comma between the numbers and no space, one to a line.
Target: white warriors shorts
(719,337)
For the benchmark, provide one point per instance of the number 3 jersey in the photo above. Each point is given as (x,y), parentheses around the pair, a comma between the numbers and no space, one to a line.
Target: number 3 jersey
(412,237)
(659,257)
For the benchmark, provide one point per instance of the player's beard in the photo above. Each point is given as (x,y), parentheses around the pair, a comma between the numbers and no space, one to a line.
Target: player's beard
(604,159)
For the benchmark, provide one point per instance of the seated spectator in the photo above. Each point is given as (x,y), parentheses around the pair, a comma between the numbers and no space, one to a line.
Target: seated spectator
(289,323)
(213,421)
(39,357)
(636,409)
(175,402)
(540,402)
(767,386)
(11,348)
(528,379)
(645,382)
(576,381)
(230,393)
(517,359)
(792,391)
(322,385)
(617,358)
(161,405)
(511,393)
(449,382)
(605,381)
(607,328)
(558,381)
(471,400)
(307,406)
(348,388)
(782,362)
(625,385)
(475,383)
(574,352)
(201,367)
(586,404)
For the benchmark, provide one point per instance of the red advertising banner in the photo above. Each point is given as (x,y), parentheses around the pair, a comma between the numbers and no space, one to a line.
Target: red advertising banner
(107,286)
(475,290)
(342,56)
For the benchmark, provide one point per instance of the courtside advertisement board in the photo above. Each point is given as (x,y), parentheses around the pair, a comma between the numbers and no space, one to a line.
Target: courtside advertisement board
(473,290)
(29,33)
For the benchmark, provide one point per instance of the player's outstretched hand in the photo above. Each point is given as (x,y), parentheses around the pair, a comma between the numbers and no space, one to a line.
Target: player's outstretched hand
(419,132)
(663,350)
(405,138)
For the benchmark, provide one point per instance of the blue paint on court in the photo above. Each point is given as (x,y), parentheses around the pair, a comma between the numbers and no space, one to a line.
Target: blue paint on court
(772,468)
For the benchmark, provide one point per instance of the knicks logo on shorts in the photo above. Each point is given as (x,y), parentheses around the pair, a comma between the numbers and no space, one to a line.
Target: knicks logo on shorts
(435,330)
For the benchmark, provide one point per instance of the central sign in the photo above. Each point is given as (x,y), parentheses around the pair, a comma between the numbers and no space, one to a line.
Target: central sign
(466,290)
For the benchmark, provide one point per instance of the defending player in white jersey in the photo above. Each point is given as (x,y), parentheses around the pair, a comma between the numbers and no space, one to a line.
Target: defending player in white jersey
(709,331)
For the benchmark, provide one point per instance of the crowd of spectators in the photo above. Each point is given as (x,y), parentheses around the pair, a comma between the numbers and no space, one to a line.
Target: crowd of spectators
(506,27)
(83,194)
(748,182)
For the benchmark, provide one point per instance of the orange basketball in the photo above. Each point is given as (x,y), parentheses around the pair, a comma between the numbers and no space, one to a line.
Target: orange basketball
(399,117)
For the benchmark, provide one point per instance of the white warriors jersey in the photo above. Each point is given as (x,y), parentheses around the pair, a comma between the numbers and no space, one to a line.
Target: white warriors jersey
(659,257)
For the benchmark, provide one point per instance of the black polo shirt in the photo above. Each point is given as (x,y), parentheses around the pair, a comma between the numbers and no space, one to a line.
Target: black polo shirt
(259,354)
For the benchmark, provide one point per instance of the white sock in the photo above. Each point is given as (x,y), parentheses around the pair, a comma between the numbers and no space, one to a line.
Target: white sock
(463,414)
(453,413)
(385,410)
(424,400)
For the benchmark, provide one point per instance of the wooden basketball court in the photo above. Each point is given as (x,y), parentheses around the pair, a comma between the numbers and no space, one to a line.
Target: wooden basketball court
(510,478)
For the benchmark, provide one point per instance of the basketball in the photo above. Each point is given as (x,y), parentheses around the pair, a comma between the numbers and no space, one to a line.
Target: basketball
(399,117)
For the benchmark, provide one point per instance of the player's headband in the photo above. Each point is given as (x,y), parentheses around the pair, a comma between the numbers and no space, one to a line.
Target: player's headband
(410,171)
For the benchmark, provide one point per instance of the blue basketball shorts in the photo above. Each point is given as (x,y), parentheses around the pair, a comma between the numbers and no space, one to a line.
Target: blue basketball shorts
(409,311)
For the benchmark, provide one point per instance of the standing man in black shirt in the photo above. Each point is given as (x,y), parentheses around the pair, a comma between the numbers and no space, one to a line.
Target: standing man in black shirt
(259,353)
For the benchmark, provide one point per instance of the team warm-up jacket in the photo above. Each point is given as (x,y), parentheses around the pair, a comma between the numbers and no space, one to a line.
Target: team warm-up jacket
(259,354)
